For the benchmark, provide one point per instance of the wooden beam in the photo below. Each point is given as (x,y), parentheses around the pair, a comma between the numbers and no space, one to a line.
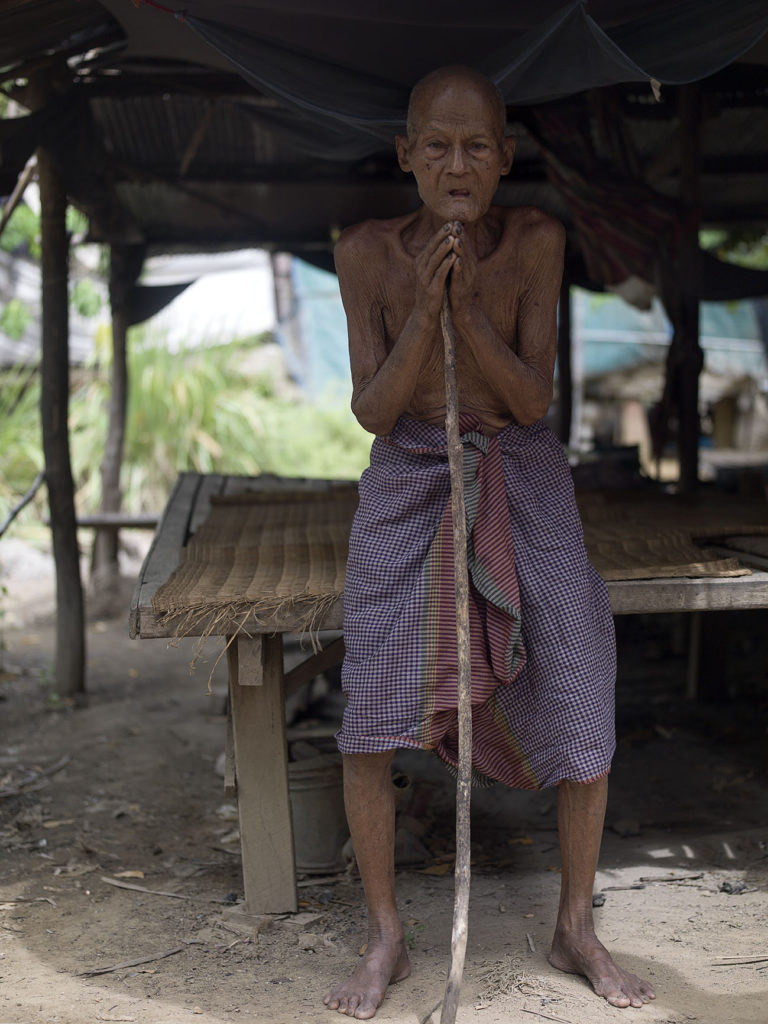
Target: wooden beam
(688,273)
(54,408)
(125,266)
(316,664)
(196,139)
(266,830)
(564,369)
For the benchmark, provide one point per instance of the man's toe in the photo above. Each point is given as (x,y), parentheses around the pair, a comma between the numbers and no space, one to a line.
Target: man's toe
(618,999)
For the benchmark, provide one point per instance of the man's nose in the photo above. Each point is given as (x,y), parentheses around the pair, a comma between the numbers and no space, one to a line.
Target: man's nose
(457,162)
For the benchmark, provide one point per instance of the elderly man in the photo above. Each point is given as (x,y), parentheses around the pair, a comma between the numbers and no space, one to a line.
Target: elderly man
(543,654)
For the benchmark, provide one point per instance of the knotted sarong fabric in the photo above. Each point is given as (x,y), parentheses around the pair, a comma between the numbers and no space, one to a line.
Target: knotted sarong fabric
(542,639)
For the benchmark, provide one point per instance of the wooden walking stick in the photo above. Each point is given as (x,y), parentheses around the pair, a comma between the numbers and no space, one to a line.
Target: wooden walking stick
(464,779)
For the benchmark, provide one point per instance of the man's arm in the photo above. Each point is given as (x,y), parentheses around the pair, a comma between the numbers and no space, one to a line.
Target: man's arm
(522,380)
(383,382)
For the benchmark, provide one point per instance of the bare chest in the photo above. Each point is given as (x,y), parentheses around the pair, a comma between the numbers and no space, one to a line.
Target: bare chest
(497,294)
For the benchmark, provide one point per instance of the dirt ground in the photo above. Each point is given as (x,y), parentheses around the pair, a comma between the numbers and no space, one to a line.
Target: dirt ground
(127,790)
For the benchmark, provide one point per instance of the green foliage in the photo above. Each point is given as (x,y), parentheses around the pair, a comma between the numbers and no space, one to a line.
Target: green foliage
(195,410)
(22,232)
(748,247)
(76,222)
(14,319)
(85,297)
(20,439)
(188,410)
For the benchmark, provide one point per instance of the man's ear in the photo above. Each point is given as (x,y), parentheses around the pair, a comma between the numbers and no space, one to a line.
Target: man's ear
(401,148)
(508,149)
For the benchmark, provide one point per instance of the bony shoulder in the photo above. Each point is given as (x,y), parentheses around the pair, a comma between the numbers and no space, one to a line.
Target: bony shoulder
(537,235)
(530,219)
(362,239)
(548,227)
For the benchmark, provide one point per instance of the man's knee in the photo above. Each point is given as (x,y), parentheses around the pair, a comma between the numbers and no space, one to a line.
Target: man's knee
(367,767)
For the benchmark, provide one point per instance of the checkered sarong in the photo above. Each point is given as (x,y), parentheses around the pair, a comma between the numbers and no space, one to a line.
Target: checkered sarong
(543,649)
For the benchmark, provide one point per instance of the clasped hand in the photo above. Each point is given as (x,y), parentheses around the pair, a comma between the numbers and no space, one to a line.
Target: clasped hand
(449,256)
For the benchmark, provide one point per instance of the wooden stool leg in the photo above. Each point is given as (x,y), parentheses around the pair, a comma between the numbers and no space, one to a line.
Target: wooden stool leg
(258,725)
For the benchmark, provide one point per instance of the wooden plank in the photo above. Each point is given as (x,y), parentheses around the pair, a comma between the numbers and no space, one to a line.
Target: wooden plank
(631,597)
(163,555)
(266,830)
(230,765)
(118,520)
(250,657)
(212,483)
(314,665)
(272,483)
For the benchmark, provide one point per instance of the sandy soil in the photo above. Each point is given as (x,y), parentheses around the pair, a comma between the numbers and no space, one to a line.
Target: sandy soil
(126,789)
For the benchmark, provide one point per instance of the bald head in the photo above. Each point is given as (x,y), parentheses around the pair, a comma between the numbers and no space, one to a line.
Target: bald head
(459,77)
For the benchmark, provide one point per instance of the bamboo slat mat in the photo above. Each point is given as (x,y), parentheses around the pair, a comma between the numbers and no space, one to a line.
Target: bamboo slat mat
(259,554)
(631,535)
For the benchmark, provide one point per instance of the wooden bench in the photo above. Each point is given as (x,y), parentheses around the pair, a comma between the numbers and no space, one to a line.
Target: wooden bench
(258,684)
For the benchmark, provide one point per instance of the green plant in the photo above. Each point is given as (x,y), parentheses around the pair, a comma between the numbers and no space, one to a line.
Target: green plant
(14,319)
(3,596)
(85,297)
(22,232)
(411,934)
(20,439)
(194,409)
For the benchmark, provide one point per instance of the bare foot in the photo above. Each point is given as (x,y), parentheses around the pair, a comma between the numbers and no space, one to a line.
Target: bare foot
(384,963)
(586,955)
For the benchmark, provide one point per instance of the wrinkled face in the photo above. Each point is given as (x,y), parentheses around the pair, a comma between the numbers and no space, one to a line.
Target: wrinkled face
(456,151)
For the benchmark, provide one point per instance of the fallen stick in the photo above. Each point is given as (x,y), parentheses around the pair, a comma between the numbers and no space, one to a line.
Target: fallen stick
(133,963)
(159,892)
(35,780)
(427,1018)
(672,878)
(464,680)
(727,961)
(546,1016)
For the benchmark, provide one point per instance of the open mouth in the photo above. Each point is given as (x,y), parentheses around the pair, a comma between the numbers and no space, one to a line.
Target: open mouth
(459,193)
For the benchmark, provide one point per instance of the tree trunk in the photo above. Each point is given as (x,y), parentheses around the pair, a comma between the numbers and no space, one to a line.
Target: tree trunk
(125,267)
(70,622)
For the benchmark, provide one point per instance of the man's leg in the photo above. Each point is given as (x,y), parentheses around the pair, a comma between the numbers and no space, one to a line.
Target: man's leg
(575,947)
(370,803)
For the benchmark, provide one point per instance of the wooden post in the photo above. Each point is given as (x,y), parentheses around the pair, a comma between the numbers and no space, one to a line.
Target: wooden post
(125,266)
(261,757)
(54,408)
(689,112)
(564,369)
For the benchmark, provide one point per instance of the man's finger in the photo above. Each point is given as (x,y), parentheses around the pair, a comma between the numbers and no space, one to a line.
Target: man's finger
(443,270)
(442,252)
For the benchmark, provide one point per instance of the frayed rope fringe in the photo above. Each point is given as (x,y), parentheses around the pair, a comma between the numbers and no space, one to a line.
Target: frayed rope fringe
(245,618)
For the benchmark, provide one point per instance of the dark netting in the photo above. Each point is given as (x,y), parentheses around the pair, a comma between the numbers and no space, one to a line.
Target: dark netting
(347,67)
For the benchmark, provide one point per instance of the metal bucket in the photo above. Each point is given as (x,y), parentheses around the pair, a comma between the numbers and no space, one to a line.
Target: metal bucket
(317,809)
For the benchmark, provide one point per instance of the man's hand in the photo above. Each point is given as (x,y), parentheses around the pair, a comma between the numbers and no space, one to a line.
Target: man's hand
(463,285)
(432,267)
